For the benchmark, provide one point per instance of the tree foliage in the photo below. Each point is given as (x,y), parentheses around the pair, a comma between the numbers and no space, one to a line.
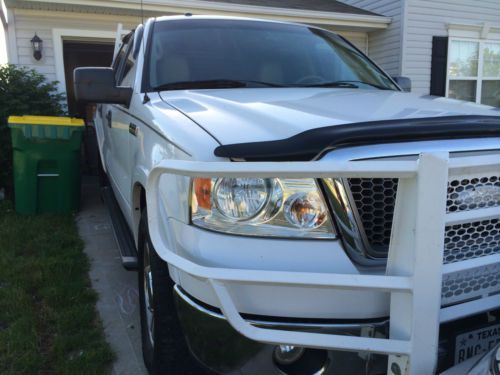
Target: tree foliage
(23,92)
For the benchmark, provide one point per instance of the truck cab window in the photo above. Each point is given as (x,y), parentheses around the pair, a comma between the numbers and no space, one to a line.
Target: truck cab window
(251,51)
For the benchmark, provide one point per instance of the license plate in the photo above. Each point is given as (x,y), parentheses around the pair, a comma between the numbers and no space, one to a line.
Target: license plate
(475,342)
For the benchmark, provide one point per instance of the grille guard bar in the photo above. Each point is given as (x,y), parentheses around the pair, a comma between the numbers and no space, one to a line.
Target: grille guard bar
(414,270)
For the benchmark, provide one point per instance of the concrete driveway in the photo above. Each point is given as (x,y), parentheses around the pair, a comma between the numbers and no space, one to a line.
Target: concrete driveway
(118,303)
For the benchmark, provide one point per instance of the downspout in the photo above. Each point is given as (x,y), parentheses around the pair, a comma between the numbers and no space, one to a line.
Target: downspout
(4,56)
(9,27)
(402,46)
(3,16)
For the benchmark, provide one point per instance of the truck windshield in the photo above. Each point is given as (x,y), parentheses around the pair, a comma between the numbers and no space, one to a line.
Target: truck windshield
(219,53)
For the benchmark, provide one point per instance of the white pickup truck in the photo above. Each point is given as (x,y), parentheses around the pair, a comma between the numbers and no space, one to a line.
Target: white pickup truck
(290,210)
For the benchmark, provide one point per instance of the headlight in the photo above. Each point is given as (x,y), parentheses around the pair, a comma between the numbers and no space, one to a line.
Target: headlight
(241,198)
(305,210)
(261,207)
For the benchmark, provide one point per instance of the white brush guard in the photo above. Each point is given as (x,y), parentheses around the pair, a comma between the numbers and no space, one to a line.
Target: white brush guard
(415,267)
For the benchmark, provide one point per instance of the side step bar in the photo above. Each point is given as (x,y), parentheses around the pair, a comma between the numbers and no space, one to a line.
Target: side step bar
(123,237)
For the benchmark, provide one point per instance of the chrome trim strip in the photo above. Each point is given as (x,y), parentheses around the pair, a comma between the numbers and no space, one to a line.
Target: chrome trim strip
(348,223)
(395,150)
(195,305)
(355,216)
(186,298)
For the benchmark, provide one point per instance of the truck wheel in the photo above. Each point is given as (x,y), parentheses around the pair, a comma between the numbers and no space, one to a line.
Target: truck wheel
(164,347)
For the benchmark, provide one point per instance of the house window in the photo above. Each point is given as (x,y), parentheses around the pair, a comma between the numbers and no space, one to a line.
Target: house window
(474,71)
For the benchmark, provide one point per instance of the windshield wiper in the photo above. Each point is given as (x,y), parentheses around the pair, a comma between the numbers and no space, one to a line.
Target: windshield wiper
(346,84)
(213,84)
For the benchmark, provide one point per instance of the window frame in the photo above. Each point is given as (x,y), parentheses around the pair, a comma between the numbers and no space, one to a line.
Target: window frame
(117,62)
(480,63)
(120,63)
(128,57)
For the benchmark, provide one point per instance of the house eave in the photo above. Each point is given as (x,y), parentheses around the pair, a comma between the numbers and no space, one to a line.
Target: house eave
(359,22)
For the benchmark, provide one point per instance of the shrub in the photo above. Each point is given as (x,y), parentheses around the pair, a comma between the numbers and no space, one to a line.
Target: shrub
(23,92)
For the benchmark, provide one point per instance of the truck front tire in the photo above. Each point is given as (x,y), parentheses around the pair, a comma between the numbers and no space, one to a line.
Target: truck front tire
(163,344)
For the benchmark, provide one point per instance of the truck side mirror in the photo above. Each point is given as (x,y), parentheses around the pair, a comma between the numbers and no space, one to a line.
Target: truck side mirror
(97,85)
(403,82)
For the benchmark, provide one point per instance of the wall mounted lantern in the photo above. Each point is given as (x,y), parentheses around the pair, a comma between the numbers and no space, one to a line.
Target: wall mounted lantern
(36,44)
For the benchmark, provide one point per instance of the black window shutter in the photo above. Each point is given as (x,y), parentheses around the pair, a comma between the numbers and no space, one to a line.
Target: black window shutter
(438,65)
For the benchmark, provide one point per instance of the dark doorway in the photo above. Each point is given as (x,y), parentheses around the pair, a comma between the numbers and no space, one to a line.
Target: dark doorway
(77,54)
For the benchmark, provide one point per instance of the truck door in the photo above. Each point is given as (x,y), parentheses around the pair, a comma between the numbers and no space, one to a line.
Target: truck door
(116,121)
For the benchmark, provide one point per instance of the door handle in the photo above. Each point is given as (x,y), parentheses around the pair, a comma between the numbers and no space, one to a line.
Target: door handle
(108,118)
(132,129)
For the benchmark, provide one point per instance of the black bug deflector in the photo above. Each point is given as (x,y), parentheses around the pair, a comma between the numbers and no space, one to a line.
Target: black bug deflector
(310,144)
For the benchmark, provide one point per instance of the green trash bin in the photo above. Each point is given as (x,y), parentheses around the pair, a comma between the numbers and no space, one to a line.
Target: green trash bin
(46,161)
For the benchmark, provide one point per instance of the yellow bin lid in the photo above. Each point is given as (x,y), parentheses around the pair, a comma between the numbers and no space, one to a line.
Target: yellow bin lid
(46,120)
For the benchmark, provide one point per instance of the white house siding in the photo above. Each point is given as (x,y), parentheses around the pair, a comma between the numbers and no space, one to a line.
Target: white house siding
(428,18)
(384,46)
(27,22)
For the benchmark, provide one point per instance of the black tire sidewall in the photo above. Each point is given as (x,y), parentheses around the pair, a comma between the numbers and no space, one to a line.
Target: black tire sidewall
(147,348)
(170,353)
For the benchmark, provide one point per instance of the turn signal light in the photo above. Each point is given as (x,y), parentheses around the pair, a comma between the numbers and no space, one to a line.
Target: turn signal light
(203,192)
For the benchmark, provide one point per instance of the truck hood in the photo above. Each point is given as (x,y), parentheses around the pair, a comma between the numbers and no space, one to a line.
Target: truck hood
(265,114)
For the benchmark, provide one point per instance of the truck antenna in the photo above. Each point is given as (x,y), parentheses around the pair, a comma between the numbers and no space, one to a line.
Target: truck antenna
(142,12)
(146,97)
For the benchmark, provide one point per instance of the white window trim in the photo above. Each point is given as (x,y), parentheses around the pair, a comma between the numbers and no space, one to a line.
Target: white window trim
(59,35)
(479,78)
(485,30)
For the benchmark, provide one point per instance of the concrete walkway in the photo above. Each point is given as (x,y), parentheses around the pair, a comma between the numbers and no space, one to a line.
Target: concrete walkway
(118,303)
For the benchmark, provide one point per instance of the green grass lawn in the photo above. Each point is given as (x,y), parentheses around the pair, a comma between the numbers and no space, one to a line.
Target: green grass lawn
(48,320)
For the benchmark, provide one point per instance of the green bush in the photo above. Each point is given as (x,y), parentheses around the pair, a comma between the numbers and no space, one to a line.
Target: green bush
(23,92)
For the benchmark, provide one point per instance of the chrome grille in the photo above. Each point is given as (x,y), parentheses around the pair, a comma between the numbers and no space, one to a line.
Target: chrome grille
(459,198)
(470,284)
(375,200)
(471,240)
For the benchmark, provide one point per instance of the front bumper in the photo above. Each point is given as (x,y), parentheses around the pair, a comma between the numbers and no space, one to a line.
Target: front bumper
(216,345)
